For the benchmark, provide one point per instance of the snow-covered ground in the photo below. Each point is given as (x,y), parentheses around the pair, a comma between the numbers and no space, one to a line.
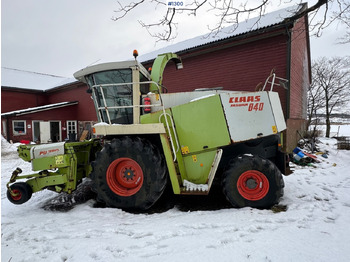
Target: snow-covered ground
(336,130)
(315,226)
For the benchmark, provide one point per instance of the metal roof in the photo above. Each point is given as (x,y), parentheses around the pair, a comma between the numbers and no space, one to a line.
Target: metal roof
(250,25)
(15,78)
(80,75)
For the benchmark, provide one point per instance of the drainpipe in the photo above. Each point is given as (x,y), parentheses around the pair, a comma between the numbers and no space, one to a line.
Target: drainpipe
(289,59)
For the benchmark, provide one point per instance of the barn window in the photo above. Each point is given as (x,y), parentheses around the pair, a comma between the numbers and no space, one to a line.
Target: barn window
(71,127)
(19,127)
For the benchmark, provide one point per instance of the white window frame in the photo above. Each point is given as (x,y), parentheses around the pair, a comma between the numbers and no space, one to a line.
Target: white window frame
(15,133)
(69,122)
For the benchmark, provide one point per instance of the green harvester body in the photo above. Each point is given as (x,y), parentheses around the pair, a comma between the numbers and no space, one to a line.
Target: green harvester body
(194,131)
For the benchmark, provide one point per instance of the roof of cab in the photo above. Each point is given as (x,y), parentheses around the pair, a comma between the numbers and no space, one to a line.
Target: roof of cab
(80,75)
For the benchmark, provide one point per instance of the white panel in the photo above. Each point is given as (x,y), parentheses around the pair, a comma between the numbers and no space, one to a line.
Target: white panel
(277,111)
(248,115)
(47,150)
(44,132)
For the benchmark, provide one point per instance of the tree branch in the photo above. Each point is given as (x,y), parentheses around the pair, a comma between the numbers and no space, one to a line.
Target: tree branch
(229,12)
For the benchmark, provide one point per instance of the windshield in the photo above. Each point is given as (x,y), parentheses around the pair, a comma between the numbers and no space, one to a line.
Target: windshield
(118,98)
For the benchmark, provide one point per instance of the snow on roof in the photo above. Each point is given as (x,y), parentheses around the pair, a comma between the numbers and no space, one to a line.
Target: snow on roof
(15,78)
(249,25)
(39,108)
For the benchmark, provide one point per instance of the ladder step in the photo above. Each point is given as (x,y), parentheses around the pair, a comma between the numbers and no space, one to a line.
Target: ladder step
(191,187)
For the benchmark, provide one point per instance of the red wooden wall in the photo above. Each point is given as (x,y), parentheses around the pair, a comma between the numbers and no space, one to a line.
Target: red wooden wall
(237,67)
(300,77)
(14,100)
(85,110)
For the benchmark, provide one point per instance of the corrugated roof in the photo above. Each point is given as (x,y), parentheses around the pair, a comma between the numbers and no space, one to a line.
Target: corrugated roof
(15,78)
(253,24)
(38,109)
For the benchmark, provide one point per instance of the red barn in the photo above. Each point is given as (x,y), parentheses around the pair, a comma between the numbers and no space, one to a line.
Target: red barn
(243,57)
(237,59)
(41,107)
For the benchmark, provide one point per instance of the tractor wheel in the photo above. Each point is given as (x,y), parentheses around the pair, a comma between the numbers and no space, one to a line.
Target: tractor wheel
(22,193)
(252,181)
(129,173)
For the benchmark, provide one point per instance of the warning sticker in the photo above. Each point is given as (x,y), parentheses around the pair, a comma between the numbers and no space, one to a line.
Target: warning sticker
(185,150)
(59,160)
(194,158)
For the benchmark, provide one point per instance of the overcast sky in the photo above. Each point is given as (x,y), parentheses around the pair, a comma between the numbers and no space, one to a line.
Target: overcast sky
(61,37)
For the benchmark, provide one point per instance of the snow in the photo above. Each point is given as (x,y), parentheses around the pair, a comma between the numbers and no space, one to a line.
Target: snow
(314,227)
(101,124)
(336,130)
(340,130)
(248,25)
(195,187)
(31,80)
(202,97)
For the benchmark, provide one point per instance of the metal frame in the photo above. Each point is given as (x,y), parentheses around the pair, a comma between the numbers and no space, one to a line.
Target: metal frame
(66,170)
(105,107)
(137,106)
(274,77)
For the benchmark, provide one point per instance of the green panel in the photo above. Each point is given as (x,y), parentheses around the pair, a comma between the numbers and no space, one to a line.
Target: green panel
(198,166)
(171,166)
(201,124)
(40,183)
(50,162)
(158,67)
(153,117)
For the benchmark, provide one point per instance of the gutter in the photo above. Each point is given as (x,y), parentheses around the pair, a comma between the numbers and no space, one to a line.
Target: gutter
(37,109)
(288,66)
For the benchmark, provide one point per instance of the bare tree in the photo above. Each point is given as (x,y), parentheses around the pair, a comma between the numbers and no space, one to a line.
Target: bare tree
(229,12)
(315,103)
(331,85)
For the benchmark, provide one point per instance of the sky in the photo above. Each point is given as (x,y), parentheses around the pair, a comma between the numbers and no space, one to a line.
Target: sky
(61,37)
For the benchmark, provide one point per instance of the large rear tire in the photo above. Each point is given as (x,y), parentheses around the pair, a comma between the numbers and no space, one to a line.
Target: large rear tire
(252,181)
(129,173)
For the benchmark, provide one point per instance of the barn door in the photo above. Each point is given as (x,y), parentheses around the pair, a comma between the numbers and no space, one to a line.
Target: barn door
(44,132)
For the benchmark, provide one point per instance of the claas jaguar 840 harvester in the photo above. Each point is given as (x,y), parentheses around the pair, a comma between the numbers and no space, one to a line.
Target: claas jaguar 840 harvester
(146,138)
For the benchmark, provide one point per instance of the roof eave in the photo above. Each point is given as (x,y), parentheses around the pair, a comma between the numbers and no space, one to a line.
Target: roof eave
(52,89)
(39,109)
(21,89)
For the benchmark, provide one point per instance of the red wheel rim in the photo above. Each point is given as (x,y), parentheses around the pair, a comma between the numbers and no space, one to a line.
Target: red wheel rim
(124,177)
(16,194)
(253,185)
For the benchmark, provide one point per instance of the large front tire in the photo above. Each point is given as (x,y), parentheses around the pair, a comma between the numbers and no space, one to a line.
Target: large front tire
(252,181)
(129,173)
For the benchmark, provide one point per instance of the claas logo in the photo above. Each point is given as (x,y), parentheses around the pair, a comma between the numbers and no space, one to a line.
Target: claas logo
(48,151)
(244,99)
